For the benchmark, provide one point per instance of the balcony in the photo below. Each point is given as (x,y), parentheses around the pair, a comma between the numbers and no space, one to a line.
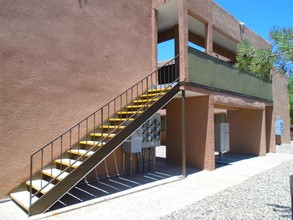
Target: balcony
(211,73)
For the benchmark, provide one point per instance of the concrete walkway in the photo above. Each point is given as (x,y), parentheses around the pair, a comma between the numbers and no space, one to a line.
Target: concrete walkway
(148,202)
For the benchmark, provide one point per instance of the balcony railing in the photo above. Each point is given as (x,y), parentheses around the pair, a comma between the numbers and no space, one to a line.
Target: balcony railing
(213,73)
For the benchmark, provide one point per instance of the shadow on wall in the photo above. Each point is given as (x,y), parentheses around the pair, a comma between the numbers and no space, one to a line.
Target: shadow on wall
(82,3)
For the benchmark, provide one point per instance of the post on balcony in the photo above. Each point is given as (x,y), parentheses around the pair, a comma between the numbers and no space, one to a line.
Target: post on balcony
(209,38)
(183,39)
(154,39)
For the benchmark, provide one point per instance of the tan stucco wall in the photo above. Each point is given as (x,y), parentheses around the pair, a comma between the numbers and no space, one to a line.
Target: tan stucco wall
(201,9)
(60,61)
(229,25)
(281,104)
(199,132)
(247,131)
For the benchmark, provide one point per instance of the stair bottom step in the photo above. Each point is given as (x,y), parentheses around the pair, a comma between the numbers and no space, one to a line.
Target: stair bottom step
(23,199)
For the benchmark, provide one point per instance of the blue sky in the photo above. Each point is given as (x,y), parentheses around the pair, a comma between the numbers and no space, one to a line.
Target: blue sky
(258,15)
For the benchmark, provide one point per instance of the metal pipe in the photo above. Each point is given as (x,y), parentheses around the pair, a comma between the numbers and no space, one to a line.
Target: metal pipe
(31,180)
(183,136)
(130,164)
(291,192)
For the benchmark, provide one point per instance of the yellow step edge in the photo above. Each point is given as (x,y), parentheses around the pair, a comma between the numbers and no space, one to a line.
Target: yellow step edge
(102,134)
(121,119)
(55,173)
(39,185)
(23,199)
(112,126)
(138,106)
(145,100)
(81,152)
(130,112)
(151,95)
(68,162)
(92,143)
(160,89)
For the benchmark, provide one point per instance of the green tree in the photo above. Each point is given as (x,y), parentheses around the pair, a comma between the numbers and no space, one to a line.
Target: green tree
(261,61)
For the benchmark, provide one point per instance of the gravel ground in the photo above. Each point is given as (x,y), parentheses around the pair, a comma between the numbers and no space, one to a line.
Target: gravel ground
(264,196)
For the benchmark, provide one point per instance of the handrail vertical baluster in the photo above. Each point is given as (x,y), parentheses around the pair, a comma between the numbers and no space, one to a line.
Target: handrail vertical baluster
(78,136)
(31,180)
(52,151)
(42,160)
(164,81)
(131,93)
(61,147)
(168,74)
(86,131)
(102,123)
(94,128)
(70,134)
(147,87)
(120,102)
(115,107)
(109,112)
(137,85)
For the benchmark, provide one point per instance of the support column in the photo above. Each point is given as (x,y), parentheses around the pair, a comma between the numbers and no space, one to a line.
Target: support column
(183,39)
(176,40)
(247,131)
(209,38)
(199,132)
(183,136)
(176,48)
(154,39)
(270,130)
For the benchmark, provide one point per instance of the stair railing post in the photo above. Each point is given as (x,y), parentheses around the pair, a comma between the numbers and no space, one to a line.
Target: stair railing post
(31,180)
(102,123)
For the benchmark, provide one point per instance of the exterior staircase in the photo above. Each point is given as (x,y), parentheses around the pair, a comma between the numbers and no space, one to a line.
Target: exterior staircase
(67,159)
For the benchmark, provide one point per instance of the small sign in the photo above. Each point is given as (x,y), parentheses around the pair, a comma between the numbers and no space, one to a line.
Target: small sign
(279,126)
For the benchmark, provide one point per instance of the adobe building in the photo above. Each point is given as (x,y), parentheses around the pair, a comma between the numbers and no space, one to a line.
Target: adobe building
(78,78)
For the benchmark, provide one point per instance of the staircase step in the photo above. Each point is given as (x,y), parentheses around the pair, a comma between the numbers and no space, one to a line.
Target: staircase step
(54,172)
(23,199)
(81,152)
(138,106)
(102,134)
(152,95)
(41,185)
(121,119)
(112,126)
(68,162)
(145,100)
(130,112)
(92,143)
(159,89)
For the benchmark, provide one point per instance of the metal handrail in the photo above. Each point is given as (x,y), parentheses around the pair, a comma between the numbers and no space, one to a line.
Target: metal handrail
(102,122)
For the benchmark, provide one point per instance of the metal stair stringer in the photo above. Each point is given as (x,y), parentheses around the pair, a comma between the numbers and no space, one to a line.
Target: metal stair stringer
(47,200)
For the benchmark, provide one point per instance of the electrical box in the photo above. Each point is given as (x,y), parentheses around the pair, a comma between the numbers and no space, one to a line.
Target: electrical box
(279,127)
(222,143)
(146,136)
(134,143)
(151,132)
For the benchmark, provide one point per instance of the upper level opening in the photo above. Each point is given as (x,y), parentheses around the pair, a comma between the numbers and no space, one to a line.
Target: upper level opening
(201,27)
